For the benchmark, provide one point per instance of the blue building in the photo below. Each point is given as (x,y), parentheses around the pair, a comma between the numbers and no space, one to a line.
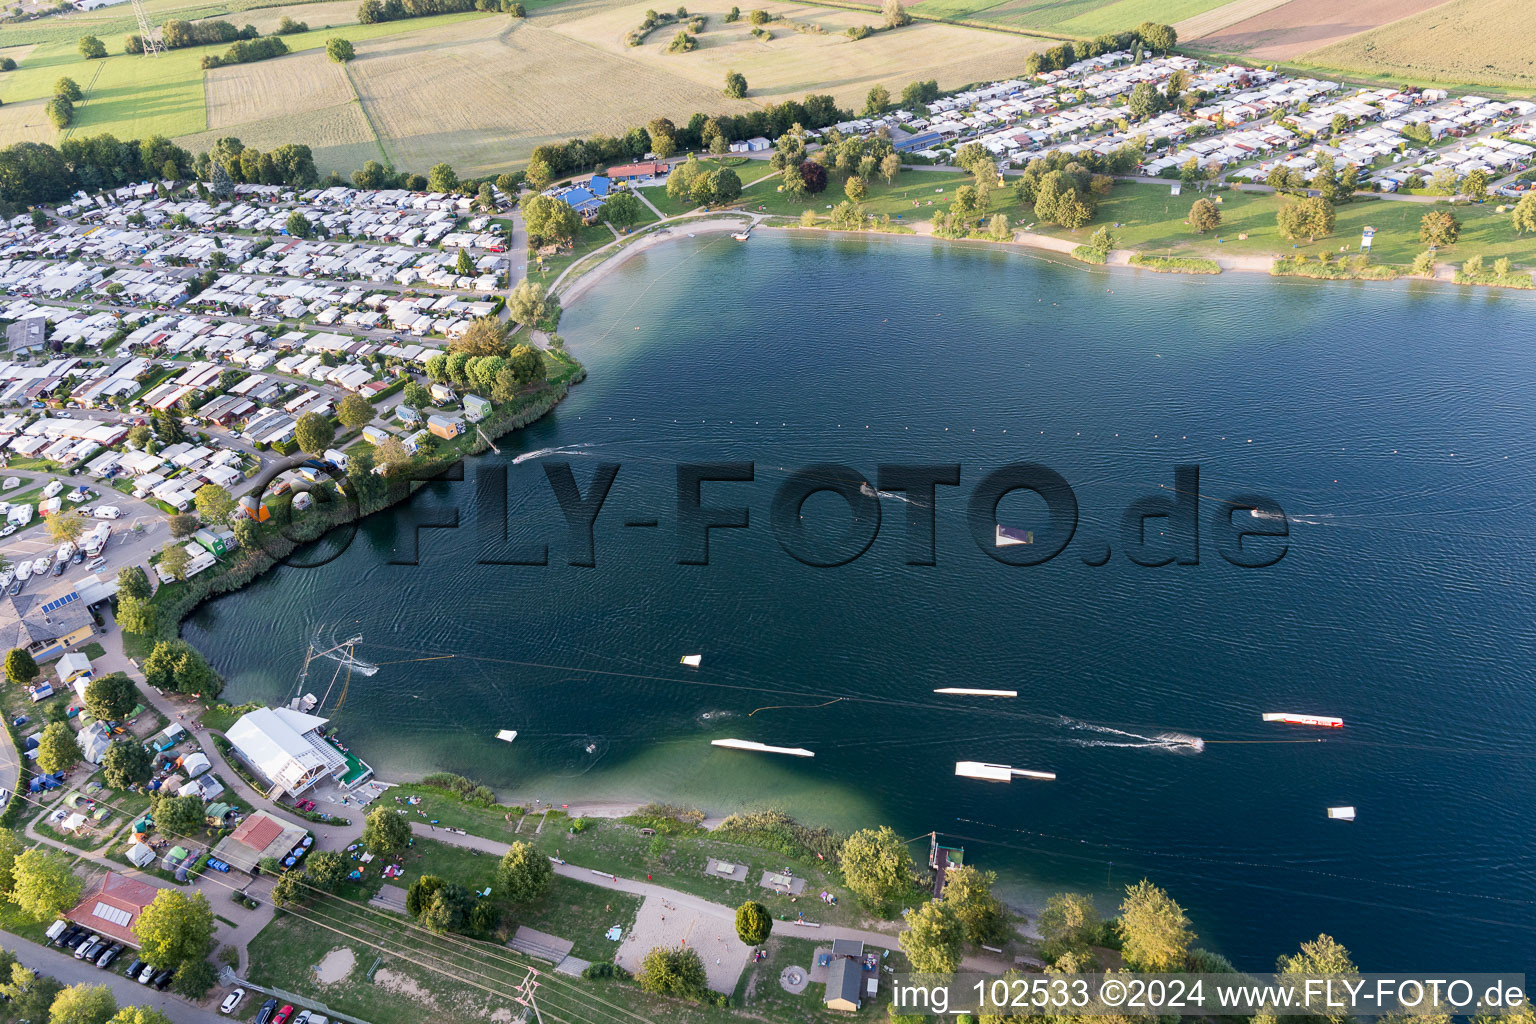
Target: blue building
(587,199)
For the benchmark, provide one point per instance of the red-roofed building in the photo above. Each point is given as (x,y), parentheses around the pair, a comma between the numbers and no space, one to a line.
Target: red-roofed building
(630,172)
(112,906)
(259,836)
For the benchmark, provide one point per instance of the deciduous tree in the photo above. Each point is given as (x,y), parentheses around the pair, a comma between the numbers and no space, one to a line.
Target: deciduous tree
(969,893)
(1524,214)
(83,1004)
(550,219)
(1204,216)
(673,971)
(314,432)
(214,504)
(111,697)
(174,560)
(753,923)
(934,938)
(354,412)
(62,528)
(735,85)
(524,873)
(20,667)
(125,764)
(175,929)
(57,748)
(877,866)
(45,884)
(92,48)
(339,50)
(1439,227)
(385,832)
(442,178)
(1154,928)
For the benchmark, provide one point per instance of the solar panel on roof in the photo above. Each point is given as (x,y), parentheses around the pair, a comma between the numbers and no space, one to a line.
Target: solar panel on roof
(116,915)
(61,602)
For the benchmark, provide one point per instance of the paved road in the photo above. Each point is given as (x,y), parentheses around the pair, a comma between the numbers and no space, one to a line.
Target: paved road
(70,971)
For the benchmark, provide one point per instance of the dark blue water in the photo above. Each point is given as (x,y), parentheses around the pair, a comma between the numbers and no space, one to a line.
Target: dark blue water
(1393,424)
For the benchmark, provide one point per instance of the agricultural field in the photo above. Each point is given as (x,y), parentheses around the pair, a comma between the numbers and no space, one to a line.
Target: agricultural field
(816,57)
(1483,42)
(1065,17)
(1218,18)
(482,96)
(1286,32)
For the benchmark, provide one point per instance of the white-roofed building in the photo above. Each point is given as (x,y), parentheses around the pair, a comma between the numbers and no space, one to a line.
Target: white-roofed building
(286,749)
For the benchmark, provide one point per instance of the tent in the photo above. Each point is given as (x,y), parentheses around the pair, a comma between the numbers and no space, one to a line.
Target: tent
(195,764)
(141,855)
(72,823)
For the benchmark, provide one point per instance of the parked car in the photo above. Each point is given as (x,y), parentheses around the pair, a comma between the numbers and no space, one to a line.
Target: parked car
(264,1015)
(163,979)
(77,938)
(283,1015)
(68,933)
(134,969)
(85,948)
(146,974)
(232,1000)
(302,1018)
(113,952)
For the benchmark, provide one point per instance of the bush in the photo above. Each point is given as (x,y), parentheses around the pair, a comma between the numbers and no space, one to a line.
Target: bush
(777,831)
(465,789)
(340,50)
(667,819)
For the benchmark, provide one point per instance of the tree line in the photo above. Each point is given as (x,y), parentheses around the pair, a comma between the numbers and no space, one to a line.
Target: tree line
(553,161)
(1149,35)
(370,11)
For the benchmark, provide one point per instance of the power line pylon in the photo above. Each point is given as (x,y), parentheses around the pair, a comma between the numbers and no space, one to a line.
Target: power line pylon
(152,46)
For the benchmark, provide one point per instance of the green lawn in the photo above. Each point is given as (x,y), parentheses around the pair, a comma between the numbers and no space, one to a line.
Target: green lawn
(588,239)
(620,849)
(1151,219)
(657,194)
(931,191)
(571,909)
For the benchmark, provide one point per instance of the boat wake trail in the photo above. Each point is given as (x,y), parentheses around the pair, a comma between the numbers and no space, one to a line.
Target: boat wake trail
(1293,520)
(1172,742)
(867,489)
(337,654)
(565,449)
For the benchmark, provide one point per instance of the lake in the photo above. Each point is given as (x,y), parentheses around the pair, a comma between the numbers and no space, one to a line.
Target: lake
(1392,424)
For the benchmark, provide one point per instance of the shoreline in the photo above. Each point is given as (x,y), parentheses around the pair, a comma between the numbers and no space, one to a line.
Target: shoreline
(1023,242)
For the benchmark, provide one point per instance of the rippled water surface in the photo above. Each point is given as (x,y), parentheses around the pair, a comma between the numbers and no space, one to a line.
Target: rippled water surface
(1393,424)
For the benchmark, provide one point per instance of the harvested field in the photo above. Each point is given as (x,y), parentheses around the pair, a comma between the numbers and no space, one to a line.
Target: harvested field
(1288,31)
(315,15)
(339,136)
(482,94)
(794,63)
(306,82)
(1226,15)
(1072,17)
(1484,42)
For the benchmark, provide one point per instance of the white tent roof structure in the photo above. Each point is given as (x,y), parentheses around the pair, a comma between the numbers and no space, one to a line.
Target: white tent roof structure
(286,747)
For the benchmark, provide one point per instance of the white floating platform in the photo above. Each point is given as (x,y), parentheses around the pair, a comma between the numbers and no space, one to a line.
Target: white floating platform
(1342,813)
(692,660)
(1326,721)
(762,748)
(966,691)
(997,772)
(508,735)
(1008,537)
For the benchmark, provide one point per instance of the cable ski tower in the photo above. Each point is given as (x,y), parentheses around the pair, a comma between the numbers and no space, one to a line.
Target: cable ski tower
(152,46)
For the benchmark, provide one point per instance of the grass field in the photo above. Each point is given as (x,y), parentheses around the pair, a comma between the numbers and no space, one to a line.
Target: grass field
(1490,42)
(794,63)
(1152,220)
